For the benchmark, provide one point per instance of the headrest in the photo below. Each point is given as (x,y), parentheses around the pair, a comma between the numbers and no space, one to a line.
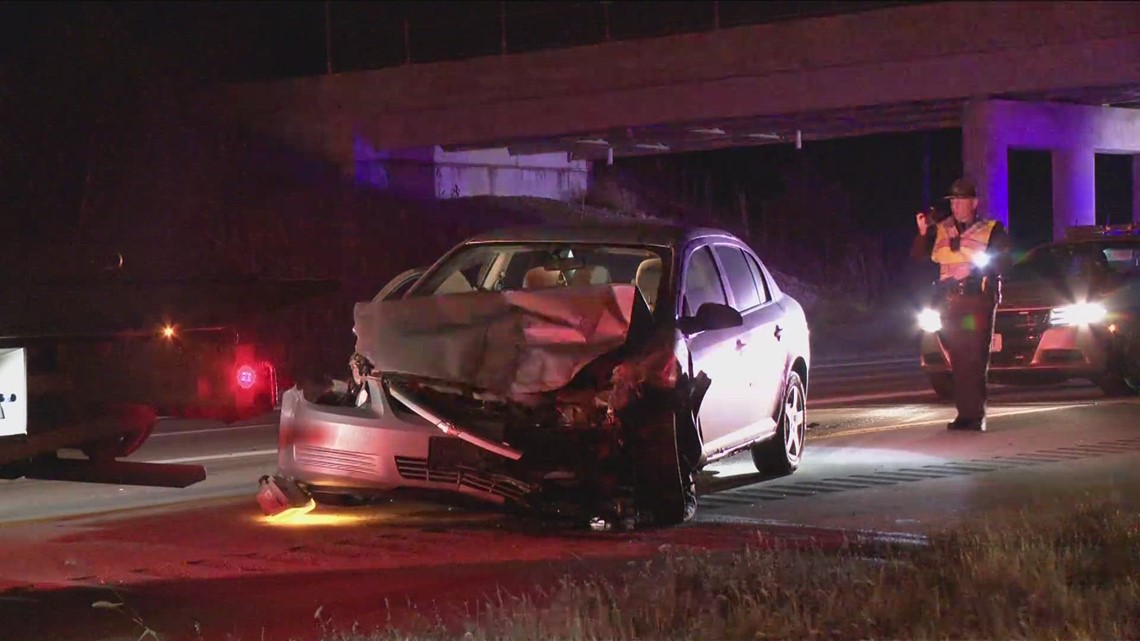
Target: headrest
(540,278)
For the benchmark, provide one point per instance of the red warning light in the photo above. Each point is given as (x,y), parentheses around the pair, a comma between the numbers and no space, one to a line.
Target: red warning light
(246,377)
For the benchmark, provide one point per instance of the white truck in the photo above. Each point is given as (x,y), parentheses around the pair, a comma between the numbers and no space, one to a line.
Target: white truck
(33,429)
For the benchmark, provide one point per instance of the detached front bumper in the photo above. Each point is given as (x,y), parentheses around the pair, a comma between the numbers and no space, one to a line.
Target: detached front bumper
(1029,350)
(374,448)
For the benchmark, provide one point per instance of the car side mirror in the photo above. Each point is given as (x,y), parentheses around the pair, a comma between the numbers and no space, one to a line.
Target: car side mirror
(710,316)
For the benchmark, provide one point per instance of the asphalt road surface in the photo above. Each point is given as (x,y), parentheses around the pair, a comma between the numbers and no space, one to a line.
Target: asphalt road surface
(844,395)
(879,461)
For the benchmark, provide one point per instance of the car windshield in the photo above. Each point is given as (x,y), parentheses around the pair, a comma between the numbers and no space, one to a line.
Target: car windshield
(1079,259)
(514,266)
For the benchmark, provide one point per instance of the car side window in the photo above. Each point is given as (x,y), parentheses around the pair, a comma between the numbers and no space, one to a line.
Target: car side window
(702,282)
(740,279)
(761,282)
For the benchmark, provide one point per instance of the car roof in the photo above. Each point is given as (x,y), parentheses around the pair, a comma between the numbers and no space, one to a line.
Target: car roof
(638,232)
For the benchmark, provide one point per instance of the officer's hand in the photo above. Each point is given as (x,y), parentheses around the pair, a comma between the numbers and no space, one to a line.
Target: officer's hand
(923,222)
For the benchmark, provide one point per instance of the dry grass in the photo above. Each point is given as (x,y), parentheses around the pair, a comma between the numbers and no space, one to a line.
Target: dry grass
(1071,574)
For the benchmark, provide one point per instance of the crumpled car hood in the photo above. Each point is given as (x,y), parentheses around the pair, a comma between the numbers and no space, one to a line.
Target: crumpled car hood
(510,343)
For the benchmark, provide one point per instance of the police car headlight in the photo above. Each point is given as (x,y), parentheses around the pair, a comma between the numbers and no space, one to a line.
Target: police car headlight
(930,321)
(1079,314)
(981,260)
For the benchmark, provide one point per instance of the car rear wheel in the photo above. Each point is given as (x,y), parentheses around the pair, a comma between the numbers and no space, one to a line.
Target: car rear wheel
(781,454)
(943,386)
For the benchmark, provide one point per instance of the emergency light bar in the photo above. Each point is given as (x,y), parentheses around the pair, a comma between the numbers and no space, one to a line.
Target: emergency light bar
(1084,232)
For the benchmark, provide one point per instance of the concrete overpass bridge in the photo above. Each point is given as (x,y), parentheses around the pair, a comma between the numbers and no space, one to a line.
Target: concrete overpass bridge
(1056,76)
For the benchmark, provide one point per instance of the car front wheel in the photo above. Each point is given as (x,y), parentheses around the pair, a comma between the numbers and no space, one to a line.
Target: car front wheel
(781,454)
(663,480)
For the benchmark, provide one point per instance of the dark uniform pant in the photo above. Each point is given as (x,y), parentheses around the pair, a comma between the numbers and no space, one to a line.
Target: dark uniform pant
(967,329)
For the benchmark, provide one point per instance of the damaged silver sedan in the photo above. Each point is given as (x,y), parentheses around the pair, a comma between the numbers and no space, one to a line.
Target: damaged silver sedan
(587,370)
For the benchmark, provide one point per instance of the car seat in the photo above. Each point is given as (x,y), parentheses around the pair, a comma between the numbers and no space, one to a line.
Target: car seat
(648,280)
(591,275)
(540,278)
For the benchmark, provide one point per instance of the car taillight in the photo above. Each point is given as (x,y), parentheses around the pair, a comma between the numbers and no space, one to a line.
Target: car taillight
(246,377)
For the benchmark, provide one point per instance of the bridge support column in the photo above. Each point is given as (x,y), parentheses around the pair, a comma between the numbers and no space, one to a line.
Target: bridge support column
(1074,189)
(1136,188)
(1073,133)
(432,172)
(985,155)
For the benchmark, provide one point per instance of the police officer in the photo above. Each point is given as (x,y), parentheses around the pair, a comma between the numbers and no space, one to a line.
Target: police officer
(972,253)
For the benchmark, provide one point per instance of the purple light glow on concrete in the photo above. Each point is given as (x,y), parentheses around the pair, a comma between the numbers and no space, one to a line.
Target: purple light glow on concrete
(431,172)
(1074,189)
(1074,133)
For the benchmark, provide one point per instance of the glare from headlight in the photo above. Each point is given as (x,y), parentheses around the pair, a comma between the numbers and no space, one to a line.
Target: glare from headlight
(930,320)
(980,260)
(1079,314)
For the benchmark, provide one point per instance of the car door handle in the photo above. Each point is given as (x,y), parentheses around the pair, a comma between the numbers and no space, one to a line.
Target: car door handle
(778,332)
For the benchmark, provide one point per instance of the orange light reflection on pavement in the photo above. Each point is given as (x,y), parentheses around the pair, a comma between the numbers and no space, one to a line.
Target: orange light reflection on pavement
(300,517)
(290,514)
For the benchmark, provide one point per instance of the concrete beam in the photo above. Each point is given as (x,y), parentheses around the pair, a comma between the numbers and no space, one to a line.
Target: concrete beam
(940,51)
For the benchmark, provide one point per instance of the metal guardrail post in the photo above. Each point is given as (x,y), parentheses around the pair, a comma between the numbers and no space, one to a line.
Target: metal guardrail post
(328,39)
(502,27)
(407,42)
(606,18)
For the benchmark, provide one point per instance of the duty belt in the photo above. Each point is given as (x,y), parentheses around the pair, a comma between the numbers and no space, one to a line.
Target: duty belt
(970,286)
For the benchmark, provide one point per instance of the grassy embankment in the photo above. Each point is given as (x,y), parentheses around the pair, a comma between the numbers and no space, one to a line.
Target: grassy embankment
(1071,573)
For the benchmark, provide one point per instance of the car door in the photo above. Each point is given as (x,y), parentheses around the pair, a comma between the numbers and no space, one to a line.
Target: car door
(713,352)
(771,326)
(757,344)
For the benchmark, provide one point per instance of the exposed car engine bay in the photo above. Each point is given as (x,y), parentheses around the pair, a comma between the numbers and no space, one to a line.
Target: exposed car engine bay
(568,451)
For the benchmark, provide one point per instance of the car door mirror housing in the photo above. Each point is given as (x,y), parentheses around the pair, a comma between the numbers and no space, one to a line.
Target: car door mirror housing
(710,316)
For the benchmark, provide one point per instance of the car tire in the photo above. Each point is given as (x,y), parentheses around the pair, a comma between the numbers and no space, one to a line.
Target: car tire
(1121,376)
(139,422)
(15,469)
(660,483)
(943,386)
(1113,385)
(781,454)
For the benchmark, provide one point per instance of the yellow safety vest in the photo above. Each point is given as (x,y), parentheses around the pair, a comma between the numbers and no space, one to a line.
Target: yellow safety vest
(974,240)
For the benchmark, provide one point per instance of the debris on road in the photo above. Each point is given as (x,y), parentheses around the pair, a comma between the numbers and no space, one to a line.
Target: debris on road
(281,498)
